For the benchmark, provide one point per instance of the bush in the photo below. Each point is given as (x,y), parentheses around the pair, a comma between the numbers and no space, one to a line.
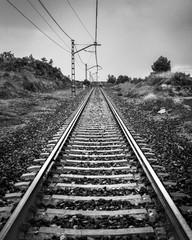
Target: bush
(154,80)
(137,80)
(28,85)
(155,105)
(181,79)
(122,79)
(131,93)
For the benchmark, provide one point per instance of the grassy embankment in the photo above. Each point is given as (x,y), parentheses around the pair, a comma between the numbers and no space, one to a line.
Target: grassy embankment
(166,95)
(29,89)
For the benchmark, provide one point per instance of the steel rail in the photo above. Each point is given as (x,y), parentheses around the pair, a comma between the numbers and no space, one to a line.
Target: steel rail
(181,227)
(11,228)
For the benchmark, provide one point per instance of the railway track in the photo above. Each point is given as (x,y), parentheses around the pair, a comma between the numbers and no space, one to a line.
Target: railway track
(93,181)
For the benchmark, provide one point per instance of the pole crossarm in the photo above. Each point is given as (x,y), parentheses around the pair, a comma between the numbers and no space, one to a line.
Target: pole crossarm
(94,44)
(95,66)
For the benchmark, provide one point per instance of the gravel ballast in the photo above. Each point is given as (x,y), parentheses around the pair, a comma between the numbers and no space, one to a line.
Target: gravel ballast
(19,148)
(174,152)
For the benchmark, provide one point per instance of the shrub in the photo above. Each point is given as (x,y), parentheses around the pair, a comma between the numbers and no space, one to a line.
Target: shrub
(111,79)
(28,85)
(131,93)
(181,79)
(154,80)
(137,80)
(155,105)
(122,79)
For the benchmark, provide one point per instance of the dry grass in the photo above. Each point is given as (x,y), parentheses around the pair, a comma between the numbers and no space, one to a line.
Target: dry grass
(155,97)
(16,113)
(133,90)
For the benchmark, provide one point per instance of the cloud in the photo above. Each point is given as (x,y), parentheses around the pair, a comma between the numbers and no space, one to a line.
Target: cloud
(182,68)
(132,33)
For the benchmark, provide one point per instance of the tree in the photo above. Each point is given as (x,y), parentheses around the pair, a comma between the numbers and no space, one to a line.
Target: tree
(25,61)
(161,65)
(7,56)
(51,62)
(122,79)
(86,83)
(181,79)
(111,79)
(43,59)
(31,58)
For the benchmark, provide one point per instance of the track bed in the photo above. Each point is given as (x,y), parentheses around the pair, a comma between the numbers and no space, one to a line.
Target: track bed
(95,187)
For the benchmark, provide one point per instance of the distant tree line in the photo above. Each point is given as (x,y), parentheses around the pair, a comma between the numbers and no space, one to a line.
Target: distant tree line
(161,65)
(122,79)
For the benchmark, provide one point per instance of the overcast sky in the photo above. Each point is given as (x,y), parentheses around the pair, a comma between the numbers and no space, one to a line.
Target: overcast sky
(132,34)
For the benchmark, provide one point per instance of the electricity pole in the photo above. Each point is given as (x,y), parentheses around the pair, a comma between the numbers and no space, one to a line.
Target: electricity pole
(73,90)
(89,76)
(86,71)
(73,55)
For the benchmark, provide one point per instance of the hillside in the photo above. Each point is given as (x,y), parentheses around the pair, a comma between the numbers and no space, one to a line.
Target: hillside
(161,96)
(22,76)
(29,90)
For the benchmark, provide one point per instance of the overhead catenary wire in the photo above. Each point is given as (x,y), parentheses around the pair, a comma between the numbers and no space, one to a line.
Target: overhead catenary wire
(80,20)
(96,59)
(79,55)
(50,38)
(54,19)
(36,26)
(96,21)
(47,23)
(90,57)
(85,51)
(79,64)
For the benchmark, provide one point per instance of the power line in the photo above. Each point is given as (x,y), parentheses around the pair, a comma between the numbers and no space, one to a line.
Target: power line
(79,56)
(96,35)
(36,26)
(79,65)
(96,21)
(80,19)
(90,57)
(54,19)
(47,23)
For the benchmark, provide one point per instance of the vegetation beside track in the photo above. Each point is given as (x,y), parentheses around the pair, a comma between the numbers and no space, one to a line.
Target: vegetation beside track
(163,133)
(19,77)
(35,100)
(25,133)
